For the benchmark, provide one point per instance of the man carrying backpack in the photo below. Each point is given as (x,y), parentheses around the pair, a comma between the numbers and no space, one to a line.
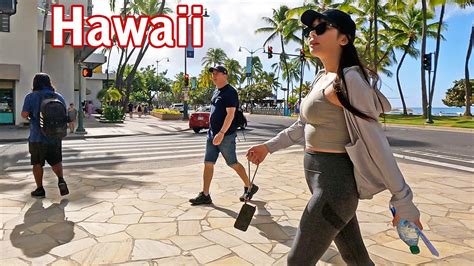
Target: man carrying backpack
(46,111)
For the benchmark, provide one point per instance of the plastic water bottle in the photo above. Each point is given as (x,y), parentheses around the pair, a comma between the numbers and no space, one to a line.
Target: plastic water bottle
(408,234)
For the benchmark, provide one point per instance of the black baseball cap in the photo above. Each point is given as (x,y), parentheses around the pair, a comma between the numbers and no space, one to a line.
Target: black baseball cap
(218,69)
(341,19)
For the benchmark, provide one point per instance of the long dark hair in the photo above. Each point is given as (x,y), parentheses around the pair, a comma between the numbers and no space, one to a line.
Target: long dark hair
(349,57)
(42,80)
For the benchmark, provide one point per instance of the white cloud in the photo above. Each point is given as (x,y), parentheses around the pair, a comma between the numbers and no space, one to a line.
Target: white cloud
(455,10)
(232,23)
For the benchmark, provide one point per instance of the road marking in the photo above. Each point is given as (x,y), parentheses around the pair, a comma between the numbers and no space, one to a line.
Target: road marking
(135,159)
(447,165)
(439,156)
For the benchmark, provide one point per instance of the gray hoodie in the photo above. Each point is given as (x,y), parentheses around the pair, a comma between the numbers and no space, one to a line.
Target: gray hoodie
(375,167)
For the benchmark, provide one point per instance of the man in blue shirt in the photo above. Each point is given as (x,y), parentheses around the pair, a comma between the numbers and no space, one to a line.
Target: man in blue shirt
(40,147)
(221,137)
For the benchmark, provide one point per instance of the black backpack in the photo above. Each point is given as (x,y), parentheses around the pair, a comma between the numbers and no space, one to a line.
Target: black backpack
(239,119)
(53,117)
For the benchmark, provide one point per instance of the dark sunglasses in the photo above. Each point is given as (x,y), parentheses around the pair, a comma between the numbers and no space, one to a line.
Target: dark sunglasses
(320,29)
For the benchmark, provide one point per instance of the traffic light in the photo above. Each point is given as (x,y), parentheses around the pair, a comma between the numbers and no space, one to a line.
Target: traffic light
(186,80)
(427,61)
(270,52)
(87,72)
(302,58)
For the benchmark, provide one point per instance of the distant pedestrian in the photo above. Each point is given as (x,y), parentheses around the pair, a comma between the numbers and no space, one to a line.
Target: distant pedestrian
(130,109)
(45,140)
(139,110)
(90,109)
(72,115)
(145,110)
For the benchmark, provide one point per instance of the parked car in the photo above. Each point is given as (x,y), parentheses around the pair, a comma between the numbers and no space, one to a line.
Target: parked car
(177,107)
(200,119)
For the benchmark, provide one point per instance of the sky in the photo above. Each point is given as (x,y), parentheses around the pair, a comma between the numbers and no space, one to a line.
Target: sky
(232,23)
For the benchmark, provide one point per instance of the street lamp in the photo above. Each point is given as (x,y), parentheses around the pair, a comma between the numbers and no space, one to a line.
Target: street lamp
(185,102)
(250,74)
(158,61)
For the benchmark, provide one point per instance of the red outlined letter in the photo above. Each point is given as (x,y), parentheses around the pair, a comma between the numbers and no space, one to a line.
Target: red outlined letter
(134,31)
(60,24)
(182,31)
(99,34)
(197,22)
(162,33)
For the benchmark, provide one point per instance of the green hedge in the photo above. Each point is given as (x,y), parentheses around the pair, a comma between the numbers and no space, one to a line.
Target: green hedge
(166,111)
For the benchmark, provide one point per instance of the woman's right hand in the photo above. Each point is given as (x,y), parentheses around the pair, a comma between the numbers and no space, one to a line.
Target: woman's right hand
(256,154)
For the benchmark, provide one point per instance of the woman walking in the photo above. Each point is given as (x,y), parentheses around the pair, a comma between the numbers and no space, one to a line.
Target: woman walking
(347,155)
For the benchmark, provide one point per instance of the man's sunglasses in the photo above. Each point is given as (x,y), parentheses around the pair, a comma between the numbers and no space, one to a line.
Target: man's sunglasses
(320,29)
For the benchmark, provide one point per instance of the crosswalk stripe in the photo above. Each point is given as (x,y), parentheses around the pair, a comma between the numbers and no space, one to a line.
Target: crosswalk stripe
(164,150)
(439,156)
(447,165)
(135,159)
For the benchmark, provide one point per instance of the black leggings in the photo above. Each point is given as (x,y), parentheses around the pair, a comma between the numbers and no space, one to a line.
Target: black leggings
(330,213)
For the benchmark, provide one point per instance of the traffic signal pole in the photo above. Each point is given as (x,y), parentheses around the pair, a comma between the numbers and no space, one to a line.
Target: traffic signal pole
(427,67)
(80,120)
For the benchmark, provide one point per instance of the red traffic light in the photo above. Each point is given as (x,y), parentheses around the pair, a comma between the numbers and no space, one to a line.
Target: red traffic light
(270,52)
(186,80)
(87,72)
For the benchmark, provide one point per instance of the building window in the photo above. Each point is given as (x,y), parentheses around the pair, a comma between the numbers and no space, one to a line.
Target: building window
(4,23)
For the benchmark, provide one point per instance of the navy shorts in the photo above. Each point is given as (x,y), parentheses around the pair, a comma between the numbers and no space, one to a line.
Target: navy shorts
(227,148)
(49,152)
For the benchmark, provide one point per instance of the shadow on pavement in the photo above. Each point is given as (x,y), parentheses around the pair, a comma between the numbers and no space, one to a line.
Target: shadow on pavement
(271,229)
(42,229)
(406,143)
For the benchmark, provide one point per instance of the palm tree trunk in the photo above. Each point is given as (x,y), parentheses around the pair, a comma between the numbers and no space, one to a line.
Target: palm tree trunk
(398,81)
(43,39)
(287,71)
(424,101)
(376,3)
(466,75)
(438,45)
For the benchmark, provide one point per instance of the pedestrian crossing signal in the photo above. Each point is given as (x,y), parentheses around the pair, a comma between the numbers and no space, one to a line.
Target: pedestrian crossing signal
(87,72)
(270,52)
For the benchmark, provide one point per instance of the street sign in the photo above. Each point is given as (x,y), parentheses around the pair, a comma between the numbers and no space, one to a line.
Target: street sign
(248,71)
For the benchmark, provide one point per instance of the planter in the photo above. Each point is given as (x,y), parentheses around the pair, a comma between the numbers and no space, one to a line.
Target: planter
(167,116)
(110,121)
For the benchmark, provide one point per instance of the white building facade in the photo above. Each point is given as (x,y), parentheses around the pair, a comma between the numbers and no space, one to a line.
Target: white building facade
(20,53)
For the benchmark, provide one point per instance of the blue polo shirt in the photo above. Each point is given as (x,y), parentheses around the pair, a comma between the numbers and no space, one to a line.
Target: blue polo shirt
(32,105)
(222,98)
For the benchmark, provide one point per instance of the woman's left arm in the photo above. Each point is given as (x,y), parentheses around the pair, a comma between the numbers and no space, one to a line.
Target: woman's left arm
(363,97)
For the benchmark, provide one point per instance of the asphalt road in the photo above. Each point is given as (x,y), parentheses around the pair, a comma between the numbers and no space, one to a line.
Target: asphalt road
(446,149)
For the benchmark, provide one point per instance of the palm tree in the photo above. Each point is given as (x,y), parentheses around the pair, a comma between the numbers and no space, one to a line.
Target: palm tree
(280,26)
(234,69)
(462,4)
(406,31)
(214,56)
(466,75)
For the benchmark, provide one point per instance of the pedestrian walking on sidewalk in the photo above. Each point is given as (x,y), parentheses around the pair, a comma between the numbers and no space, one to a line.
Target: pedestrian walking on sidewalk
(90,109)
(139,110)
(221,136)
(42,147)
(347,155)
(130,109)
(72,115)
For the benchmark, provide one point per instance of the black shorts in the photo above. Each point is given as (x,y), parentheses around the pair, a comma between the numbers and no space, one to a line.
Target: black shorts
(41,152)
